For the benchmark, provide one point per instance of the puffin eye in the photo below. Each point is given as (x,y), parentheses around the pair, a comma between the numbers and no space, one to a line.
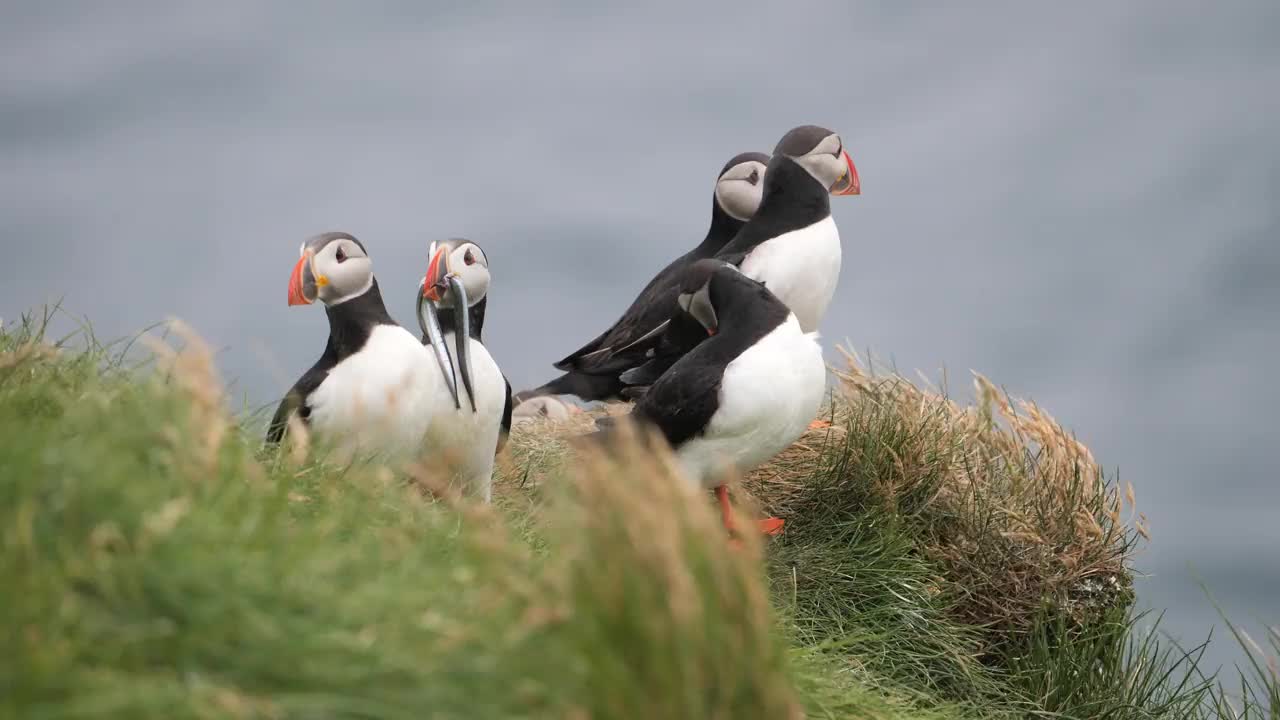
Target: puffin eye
(340,256)
(755,177)
(469,258)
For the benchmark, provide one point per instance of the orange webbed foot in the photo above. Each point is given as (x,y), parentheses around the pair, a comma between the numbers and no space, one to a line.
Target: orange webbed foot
(772,526)
(819,424)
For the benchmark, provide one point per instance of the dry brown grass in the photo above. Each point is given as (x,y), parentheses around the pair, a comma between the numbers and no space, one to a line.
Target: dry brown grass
(1008,503)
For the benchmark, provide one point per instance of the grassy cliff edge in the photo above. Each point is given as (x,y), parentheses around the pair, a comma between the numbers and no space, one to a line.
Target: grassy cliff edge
(940,560)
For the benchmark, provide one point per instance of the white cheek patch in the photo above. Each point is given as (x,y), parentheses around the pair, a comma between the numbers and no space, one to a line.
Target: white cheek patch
(739,198)
(826,169)
(351,280)
(481,258)
(460,258)
(828,146)
(477,282)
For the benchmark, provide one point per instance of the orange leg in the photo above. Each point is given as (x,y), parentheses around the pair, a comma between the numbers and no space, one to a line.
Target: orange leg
(768,526)
(726,514)
(819,424)
(726,510)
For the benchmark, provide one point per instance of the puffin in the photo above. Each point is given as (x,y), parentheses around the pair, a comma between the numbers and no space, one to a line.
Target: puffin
(791,245)
(587,374)
(744,393)
(375,387)
(451,303)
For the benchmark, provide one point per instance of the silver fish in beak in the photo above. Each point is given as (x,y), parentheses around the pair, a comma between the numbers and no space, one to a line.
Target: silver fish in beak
(433,335)
(442,284)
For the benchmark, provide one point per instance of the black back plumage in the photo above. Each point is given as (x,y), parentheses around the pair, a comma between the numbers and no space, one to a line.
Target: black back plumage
(681,403)
(793,200)
(591,372)
(350,325)
(653,304)
(680,336)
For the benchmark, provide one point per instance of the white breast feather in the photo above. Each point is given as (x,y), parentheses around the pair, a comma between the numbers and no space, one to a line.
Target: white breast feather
(390,397)
(768,396)
(473,436)
(801,268)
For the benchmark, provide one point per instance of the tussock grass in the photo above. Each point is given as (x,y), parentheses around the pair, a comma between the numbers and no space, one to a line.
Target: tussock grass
(940,561)
(1255,694)
(997,495)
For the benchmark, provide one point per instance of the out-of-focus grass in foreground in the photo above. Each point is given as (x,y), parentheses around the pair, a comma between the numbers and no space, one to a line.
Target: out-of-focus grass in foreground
(940,561)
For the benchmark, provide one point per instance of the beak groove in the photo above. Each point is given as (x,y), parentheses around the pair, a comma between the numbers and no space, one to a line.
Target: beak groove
(434,282)
(850,185)
(299,281)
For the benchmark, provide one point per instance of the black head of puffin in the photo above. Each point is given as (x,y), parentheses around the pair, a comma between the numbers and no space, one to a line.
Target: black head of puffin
(457,278)
(740,185)
(332,267)
(822,154)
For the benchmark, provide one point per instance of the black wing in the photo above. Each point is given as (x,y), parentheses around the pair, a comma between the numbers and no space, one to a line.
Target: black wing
(679,406)
(682,402)
(646,313)
(505,431)
(734,258)
(296,399)
(588,387)
(634,392)
(680,337)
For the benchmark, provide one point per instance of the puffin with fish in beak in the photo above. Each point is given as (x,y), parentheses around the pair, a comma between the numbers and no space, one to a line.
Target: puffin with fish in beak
(451,305)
